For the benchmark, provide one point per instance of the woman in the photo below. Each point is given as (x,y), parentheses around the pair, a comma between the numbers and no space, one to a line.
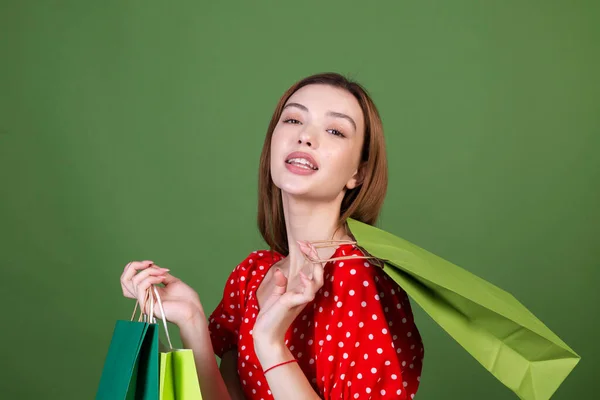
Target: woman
(301,321)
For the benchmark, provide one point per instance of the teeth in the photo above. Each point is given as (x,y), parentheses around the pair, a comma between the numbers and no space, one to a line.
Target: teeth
(301,162)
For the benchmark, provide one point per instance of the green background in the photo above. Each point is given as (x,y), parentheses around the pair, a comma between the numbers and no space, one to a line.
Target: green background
(132,130)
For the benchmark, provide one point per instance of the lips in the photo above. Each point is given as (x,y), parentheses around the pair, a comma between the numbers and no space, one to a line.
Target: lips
(302,160)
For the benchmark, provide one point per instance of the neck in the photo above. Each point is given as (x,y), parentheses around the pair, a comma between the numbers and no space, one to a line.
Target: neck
(310,221)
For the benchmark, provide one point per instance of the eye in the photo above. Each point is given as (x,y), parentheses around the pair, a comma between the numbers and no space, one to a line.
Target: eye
(291,121)
(335,132)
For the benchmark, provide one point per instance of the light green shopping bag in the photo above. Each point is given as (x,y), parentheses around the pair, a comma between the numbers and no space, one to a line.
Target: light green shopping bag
(178,377)
(497,330)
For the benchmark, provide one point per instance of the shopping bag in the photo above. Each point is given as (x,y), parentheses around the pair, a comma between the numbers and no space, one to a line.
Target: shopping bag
(178,377)
(130,369)
(493,326)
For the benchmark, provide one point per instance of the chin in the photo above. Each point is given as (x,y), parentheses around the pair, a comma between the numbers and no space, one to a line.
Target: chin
(288,186)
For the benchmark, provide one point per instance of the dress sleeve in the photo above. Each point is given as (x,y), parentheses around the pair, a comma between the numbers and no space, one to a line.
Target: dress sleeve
(370,347)
(225,320)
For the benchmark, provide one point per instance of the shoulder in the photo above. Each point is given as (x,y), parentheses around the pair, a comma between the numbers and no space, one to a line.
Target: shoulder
(349,264)
(254,265)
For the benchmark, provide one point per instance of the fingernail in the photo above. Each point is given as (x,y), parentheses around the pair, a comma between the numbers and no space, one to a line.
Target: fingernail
(165,269)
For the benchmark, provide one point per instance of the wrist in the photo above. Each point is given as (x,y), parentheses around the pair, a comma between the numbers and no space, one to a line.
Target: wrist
(193,318)
(270,354)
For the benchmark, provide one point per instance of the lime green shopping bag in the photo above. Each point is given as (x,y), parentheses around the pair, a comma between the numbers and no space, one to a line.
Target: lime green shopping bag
(178,376)
(131,367)
(494,327)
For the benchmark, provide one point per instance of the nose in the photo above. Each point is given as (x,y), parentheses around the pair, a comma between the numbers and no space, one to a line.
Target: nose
(308,139)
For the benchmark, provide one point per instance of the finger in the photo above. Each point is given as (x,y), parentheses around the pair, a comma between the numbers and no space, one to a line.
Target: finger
(131,269)
(280,282)
(296,299)
(318,273)
(152,271)
(312,253)
(143,287)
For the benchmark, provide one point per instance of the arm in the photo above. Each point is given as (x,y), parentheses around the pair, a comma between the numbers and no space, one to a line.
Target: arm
(287,381)
(230,375)
(195,336)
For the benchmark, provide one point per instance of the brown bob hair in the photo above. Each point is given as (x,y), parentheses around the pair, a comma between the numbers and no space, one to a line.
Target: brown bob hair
(362,203)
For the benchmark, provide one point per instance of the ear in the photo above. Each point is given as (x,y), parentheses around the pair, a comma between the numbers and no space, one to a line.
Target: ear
(358,177)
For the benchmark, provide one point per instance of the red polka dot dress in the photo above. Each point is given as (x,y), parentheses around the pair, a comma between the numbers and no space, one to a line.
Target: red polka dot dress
(356,340)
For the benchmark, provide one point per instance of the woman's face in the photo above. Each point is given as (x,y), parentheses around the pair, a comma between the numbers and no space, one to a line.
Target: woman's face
(317,143)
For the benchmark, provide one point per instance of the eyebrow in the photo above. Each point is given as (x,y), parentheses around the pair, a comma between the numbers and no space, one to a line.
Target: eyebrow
(330,113)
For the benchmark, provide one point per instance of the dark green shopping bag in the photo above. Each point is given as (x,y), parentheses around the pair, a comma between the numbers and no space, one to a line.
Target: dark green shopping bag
(131,368)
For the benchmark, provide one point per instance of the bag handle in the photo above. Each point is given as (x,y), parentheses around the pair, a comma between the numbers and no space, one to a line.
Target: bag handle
(152,295)
(321,244)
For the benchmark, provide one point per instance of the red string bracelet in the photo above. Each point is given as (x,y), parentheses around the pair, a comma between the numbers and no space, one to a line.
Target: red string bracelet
(280,364)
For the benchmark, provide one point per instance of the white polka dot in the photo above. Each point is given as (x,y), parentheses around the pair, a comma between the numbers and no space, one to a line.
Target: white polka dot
(411,366)
(351,293)
(374,317)
(365,283)
(356,395)
(366,264)
(364,304)
(341,344)
(357,344)
(326,294)
(341,264)
(394,376)
(310,342)
(371,336)
(399,392)
(398,306)
(368,390)
(377,297)
(342,376)
(339,304)
(409,334)
(360,325)
(388,363)
(243,278)
(353,363)
(373,370)
(404,363)
(359,376)
(250,373)
(382,392)
(328,337)
(380,351)
(384,331)
(350,313)
(353,272)
(405,384)
(366,356)
(403,320)
(321,343)
(345,356)
(347,334)
(320,309)
(311,361)
(330,358)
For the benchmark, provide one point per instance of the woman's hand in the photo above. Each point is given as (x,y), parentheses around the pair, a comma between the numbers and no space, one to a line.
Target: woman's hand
(180,302)
(283,306)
